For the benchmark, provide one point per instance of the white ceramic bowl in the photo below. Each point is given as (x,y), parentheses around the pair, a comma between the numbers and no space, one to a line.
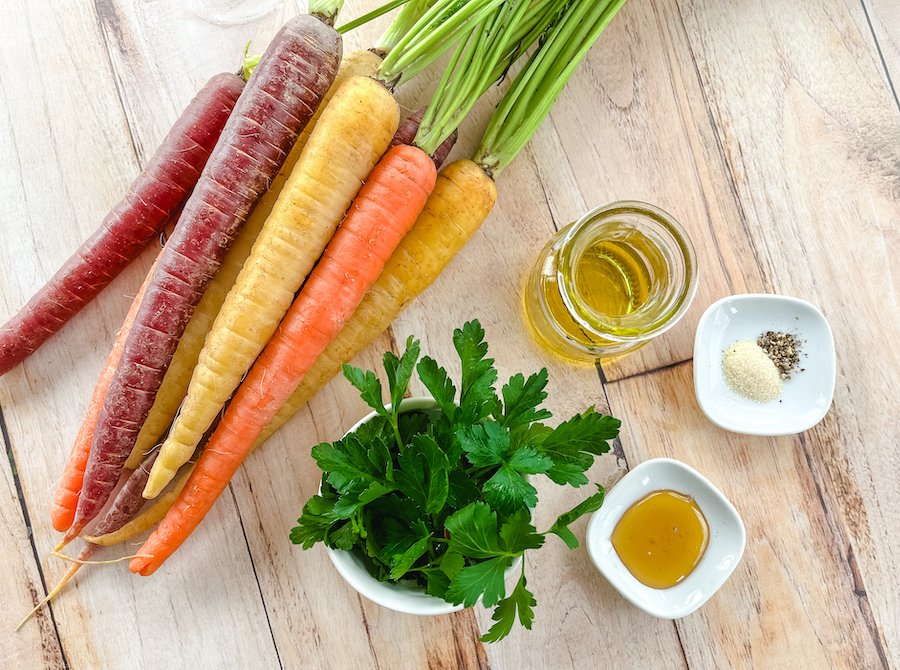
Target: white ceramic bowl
(804,398)
(723,552)
(405,596)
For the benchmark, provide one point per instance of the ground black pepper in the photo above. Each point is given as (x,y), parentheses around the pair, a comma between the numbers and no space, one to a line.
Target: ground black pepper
(783,349)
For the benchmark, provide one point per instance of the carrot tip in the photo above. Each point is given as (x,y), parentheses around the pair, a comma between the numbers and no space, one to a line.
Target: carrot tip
(142,564)
(71,534)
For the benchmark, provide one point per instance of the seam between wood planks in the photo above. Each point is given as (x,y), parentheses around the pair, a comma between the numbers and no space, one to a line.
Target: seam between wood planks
(849,557)
(262,597)
(20,495)
(887,71)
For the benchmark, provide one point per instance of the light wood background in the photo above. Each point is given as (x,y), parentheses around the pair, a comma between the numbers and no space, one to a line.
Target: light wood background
(769,128)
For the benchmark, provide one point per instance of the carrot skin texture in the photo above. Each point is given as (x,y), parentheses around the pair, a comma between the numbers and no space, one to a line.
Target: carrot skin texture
(406,133)
(128,500)
(66,499)
(153,199)
(282,94)
(349,138)
(385,209)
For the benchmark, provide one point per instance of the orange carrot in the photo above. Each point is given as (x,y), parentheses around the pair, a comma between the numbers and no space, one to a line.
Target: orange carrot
(66,500)
(385,209)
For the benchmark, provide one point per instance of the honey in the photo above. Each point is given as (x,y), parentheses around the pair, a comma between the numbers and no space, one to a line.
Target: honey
(661,538)
(609,282)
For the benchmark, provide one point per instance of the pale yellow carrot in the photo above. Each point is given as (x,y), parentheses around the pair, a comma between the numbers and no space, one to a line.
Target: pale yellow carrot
(462,198)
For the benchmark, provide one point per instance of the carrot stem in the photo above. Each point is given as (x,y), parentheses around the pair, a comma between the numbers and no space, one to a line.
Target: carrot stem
(539,84)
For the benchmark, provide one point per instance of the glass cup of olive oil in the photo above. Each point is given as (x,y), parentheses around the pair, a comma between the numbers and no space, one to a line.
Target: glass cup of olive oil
(610,282)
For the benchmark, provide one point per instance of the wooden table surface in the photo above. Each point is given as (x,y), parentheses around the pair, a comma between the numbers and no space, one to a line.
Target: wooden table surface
(769,128)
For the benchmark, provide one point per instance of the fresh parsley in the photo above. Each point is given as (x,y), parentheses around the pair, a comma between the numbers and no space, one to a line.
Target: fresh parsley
(443,497)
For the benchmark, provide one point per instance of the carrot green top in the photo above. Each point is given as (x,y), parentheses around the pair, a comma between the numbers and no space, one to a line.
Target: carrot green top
(327,10)
(430,36)
(483,57)
(541,81)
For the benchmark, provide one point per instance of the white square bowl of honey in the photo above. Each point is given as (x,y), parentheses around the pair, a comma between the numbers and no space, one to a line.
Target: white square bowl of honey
(666,538)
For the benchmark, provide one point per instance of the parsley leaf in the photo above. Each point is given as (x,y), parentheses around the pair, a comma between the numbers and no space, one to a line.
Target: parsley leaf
(521,399)
(484,579)
(587,506)
(507,490)
(400,370)
(422,476)
(477,398)
(517,534)
(439,384)
(368,385)
(521,600)
(474,531)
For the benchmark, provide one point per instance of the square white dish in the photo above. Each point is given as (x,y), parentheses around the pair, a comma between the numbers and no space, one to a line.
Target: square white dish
(727,538)
(805,397)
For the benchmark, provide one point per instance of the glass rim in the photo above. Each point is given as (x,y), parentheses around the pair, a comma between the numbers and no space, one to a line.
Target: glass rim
(674,307)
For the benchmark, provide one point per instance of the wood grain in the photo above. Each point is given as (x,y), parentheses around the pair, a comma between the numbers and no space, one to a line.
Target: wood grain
(769,129)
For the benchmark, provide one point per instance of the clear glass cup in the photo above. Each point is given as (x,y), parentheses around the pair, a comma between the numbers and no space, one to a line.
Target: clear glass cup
(610,282)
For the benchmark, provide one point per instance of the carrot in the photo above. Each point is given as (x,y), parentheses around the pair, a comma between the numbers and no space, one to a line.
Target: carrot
(406,134)
(350,136)
(147,518)
(282,94)
(383,212)
(154,198)
(64,502)
(462,198)
(178,376)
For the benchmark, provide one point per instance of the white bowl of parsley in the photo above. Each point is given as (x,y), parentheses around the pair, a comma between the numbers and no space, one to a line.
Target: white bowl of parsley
(403,595)
(426,504)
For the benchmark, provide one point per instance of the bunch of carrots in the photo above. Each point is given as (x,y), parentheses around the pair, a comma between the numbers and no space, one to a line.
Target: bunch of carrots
(306,218)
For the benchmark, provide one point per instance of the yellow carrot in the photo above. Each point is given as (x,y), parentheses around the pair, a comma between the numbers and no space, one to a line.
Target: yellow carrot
(352,133)
(175,383)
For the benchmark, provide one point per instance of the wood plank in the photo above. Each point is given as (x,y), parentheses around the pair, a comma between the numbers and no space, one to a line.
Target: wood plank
(651,140)
(884,17)
(810,92)
(793,600)
(773,156)
(37,645)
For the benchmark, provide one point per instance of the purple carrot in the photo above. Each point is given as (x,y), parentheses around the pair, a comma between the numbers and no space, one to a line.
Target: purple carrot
(154,199)
(124,508)
(406,134)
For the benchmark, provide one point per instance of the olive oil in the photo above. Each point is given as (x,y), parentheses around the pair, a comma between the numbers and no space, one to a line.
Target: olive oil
(661,538)
(609,282)
(612,278)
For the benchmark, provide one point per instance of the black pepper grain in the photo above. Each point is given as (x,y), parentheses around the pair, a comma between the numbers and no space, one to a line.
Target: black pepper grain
(783,349)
